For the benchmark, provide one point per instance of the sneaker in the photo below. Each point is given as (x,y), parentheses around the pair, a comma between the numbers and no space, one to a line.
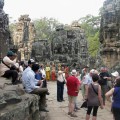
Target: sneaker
(69,113)
(73,115)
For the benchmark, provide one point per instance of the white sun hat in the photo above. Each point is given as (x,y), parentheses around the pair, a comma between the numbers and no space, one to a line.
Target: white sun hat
(115,74)
(74,72)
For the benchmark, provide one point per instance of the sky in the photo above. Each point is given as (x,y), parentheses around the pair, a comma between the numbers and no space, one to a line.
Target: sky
(65,11)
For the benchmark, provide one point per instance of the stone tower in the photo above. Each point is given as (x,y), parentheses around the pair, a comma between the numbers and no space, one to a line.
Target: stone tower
(23,36)
(69,45)
(5,39)
(110,33)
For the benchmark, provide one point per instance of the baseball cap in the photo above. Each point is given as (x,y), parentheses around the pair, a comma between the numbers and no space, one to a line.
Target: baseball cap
(31,61)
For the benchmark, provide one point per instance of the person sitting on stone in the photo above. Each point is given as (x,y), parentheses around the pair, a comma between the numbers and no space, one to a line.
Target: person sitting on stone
(32,88)
(6,67)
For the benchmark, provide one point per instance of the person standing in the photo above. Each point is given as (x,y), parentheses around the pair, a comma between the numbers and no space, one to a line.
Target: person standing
(115,92)
(53,73)
(94,99)
(73,86)
(60,85)
(47,69)
(87,81)
(104,77)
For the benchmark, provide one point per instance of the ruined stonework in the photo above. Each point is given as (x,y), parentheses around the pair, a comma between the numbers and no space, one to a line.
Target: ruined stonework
(5,39)
(16,104)
(67,46)
(110,33)
(23,36)
(41,51)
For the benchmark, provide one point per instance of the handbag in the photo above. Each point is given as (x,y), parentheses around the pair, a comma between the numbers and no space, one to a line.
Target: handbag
(84,104)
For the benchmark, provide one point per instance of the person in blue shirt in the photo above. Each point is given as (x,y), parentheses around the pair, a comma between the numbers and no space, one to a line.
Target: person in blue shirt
(115,92)
(32,86)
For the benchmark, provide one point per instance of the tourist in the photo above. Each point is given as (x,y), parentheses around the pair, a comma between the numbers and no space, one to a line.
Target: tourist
(115,92)
(104,77)
(86,81)
(94,99)
(78,77)
(7,65)
(60,85)
(84,73)
(73,86)
(31,87)
(30,63)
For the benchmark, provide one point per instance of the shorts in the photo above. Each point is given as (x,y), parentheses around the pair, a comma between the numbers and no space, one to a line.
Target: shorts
(72,99)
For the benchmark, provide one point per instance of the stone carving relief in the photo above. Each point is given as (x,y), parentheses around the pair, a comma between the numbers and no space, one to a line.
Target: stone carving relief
(110,32)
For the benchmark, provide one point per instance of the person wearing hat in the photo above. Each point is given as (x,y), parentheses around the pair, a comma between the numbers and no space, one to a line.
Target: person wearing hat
(60,85)
(32,88)
(30,63)
(115,75)
(73,86)
(87,81)
(5,69)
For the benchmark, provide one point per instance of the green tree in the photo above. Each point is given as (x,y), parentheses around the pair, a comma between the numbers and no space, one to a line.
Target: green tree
(45,27)
(91,25)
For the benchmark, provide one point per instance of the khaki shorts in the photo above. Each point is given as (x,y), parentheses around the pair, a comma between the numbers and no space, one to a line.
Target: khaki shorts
(72,99)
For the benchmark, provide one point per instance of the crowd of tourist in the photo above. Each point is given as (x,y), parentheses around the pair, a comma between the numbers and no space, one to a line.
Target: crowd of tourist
(95,85)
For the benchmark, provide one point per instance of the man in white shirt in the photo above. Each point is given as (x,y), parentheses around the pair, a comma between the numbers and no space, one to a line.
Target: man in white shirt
(87,81)
(31,87)
(5,66)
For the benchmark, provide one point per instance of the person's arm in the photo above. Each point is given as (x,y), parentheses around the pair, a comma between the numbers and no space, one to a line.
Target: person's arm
(100,97)
(86,91)
(32,81)
(109,93)
(8,60)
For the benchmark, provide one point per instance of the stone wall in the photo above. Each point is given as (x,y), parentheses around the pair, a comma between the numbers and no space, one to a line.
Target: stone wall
(5,39)
(15,104)
(68,45)
(23,36)
(110,33)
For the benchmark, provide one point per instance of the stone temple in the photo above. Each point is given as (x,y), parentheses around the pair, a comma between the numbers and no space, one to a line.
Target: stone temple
(68,46)
(23,37)
(5,37)
(110,34)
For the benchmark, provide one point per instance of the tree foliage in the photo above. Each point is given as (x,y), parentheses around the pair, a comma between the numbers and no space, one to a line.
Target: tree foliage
(91,25)
(45,27)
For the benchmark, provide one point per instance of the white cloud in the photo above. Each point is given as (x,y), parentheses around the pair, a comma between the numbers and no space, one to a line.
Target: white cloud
(64,11)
